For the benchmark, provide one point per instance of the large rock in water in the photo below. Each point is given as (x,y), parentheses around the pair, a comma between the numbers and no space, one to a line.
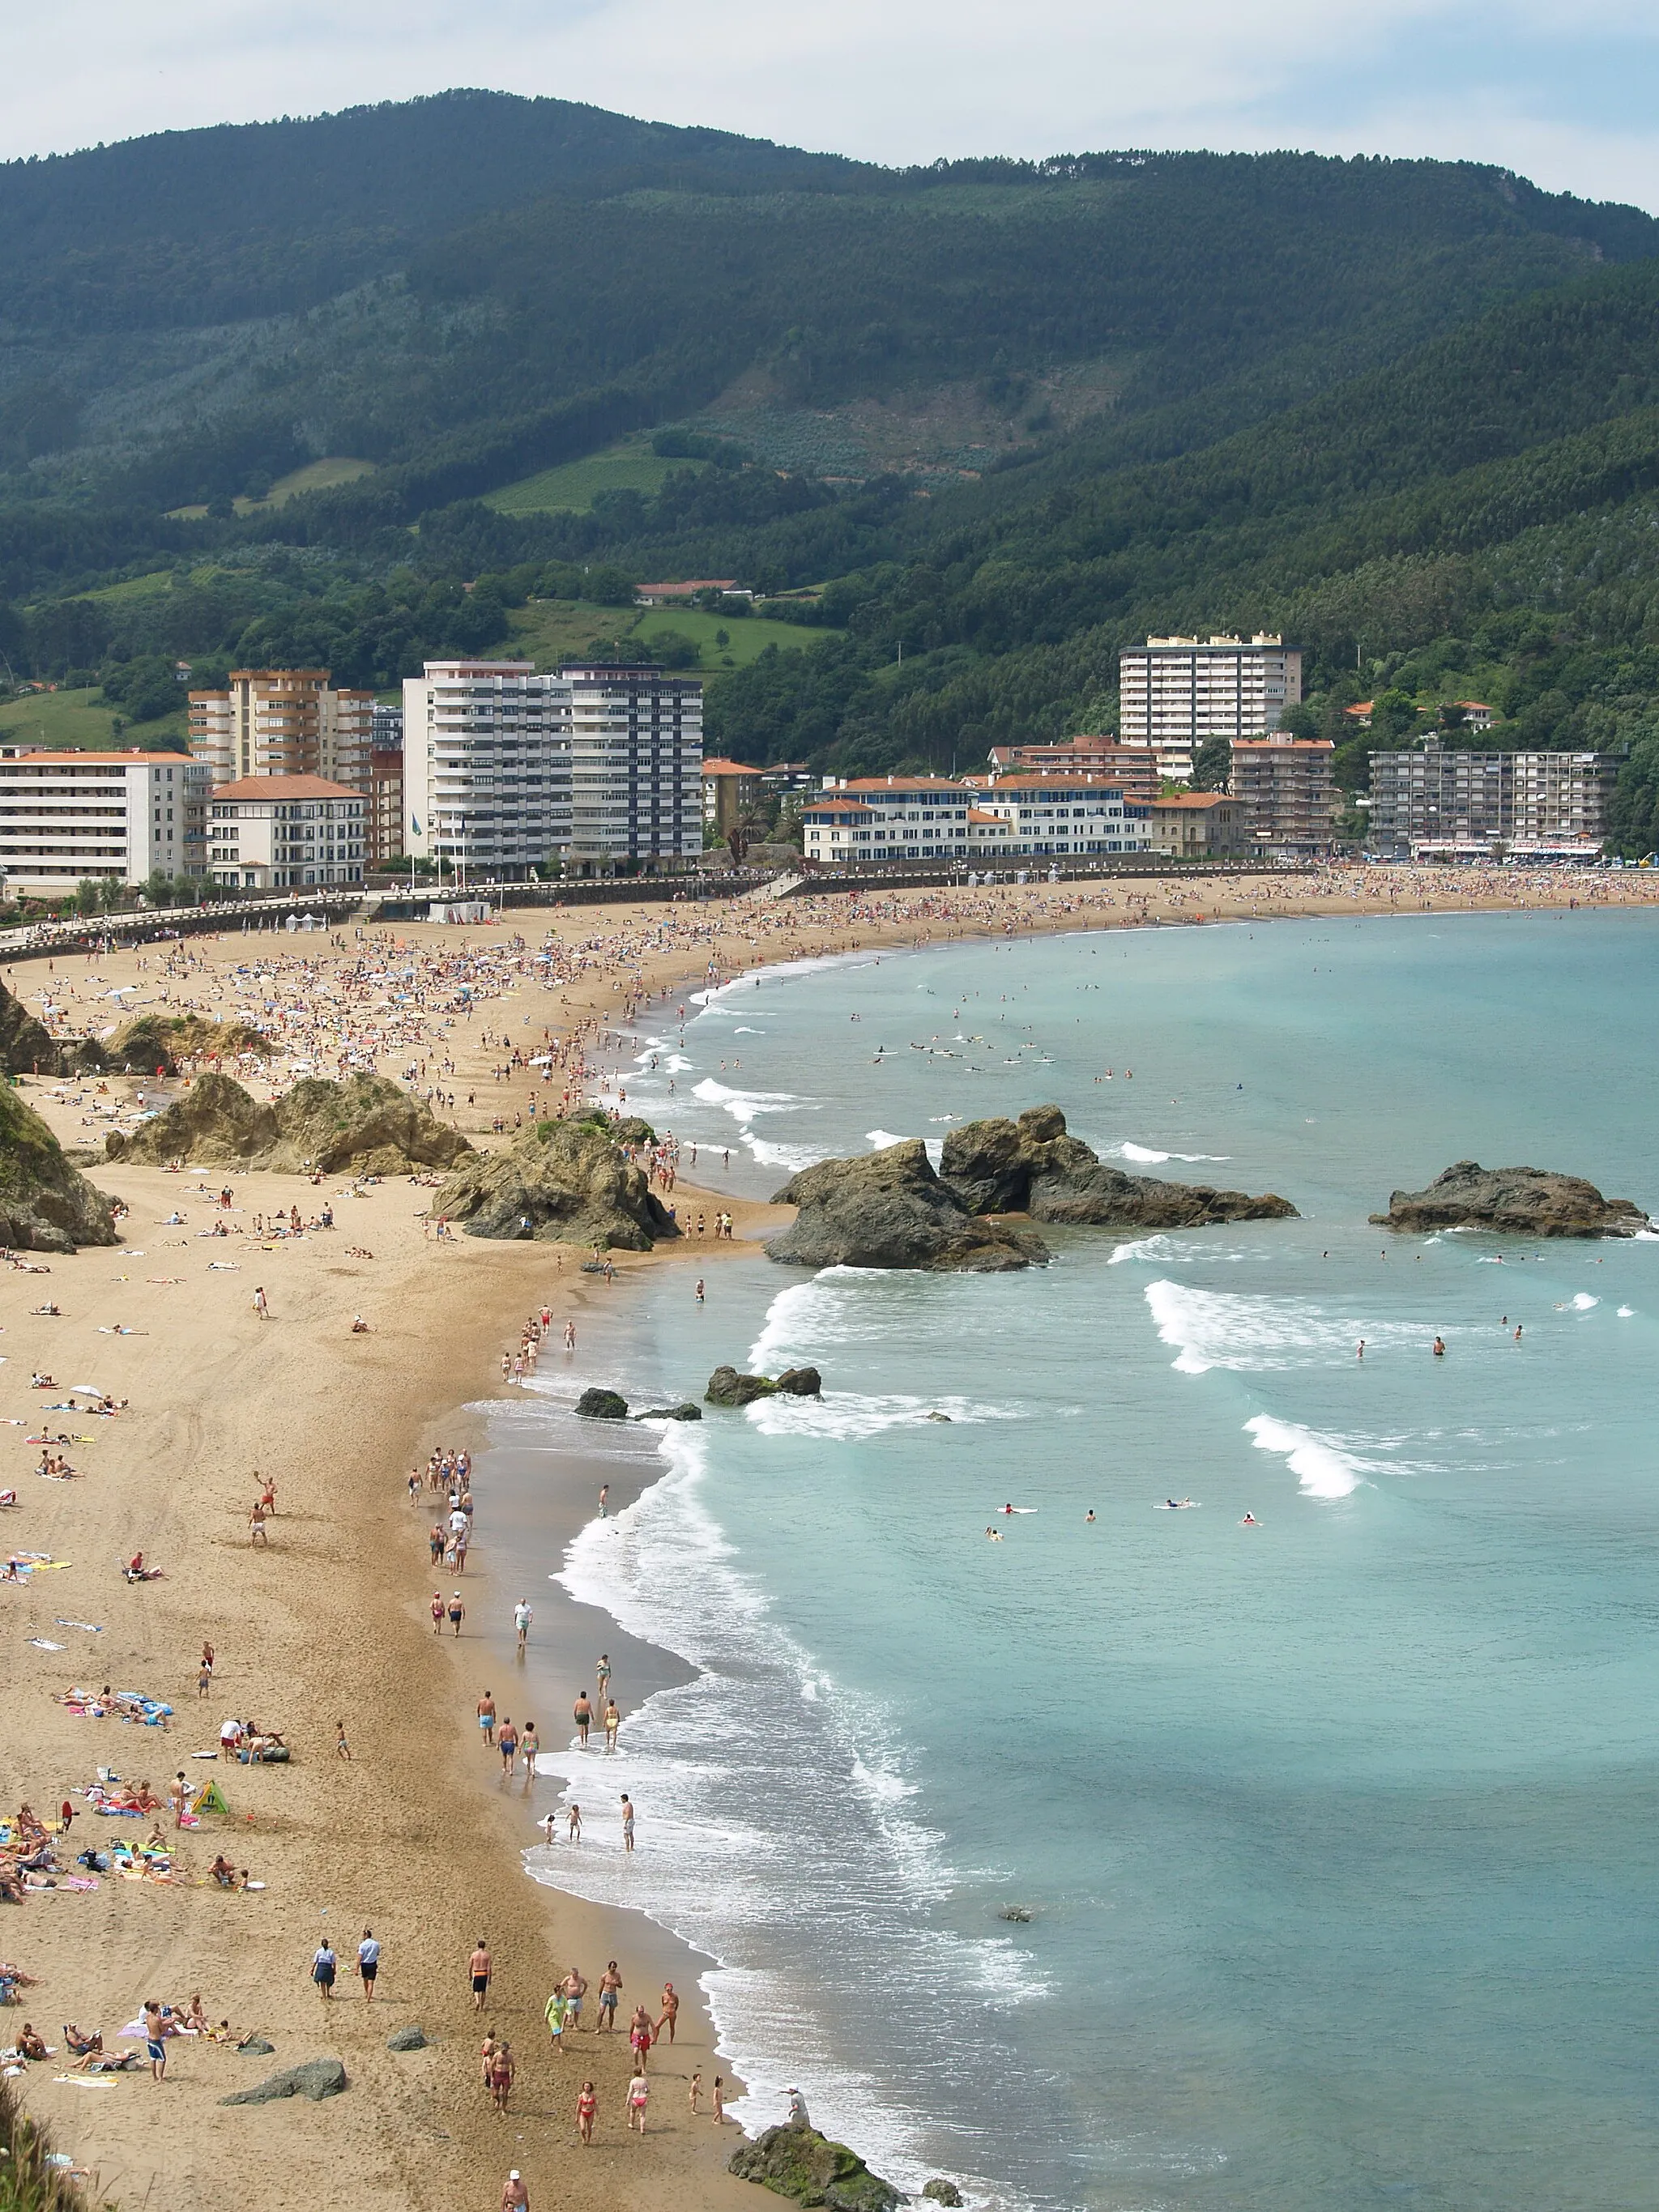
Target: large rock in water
(1513,1202)
(1032,1166)
(560,1183)
(364,1125)
(800,2163)
(46,1205)
(889,1209)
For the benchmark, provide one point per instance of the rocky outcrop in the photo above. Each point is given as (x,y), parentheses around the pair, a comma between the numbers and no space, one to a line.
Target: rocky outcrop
(602,1406)
(1032,1166)
(316,2078)
(560,1183)
(26,1047)
(686,1412)
(364,1125)
(800,2163)
(727,1387)
(938,2191)
(46,1205)
(407,2039)
(152,1041)
(889,1209)
(1513,1202)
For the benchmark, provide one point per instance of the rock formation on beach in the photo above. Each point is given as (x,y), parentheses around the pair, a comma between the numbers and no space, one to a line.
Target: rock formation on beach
(559,1181)
(798,2162)
(364,1125)
(27,1048)
(602,1406)
(727,1387)
(1513,1202)
(46,1205)
(888,1209)
(150,1041)
(1032,1166)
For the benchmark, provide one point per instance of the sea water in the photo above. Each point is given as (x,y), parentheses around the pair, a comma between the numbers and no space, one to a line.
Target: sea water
(1336,1834)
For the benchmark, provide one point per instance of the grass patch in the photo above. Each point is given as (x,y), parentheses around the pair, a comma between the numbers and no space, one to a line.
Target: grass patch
(629,465)
(551,630)
(72,722)
(315,475)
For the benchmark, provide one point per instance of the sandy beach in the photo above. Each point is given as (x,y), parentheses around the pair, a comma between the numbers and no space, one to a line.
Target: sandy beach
(415,1834)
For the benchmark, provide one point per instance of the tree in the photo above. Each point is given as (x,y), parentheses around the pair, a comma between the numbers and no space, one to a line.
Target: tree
(1212,765)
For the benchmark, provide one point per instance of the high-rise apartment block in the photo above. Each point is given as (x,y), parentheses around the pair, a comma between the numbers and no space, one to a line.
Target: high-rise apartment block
(1175,693)
(1434,802)
(506,769)
(116,818)
(1287,783)
(283,721)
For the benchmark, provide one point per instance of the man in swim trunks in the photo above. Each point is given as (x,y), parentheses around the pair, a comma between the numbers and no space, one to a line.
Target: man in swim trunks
(480,1967)
(155,2046)
(582,1713)
(610,1982)
(487,1718)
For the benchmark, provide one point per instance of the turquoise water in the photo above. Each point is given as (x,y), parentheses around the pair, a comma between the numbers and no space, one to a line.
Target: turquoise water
(1337,1833)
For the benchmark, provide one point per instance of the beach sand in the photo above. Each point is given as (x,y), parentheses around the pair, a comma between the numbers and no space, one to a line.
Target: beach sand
(415,1835)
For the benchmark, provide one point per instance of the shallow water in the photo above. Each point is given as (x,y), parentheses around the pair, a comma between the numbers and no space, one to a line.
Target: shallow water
(1338,1833)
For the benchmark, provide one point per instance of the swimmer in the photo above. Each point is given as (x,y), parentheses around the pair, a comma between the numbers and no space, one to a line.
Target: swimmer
(1249,1521)
(1439,1348)
(1088,1516)
(995,1536)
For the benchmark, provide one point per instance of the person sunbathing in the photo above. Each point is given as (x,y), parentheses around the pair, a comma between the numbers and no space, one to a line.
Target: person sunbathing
(83,2047)
(28,1824)
(31,2044)
(11,1883)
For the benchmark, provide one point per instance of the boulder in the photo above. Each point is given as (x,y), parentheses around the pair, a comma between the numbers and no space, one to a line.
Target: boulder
(799,2162)
(687,1411)
(801,1382)
(938,2191)
(602,1406)
(46,1205)
(888,1209)
(1513,1202)
(317,2078)
(560,1182)
(255,2046)
(150,1041)
(364,1125)
(26,1047)
(1033,1166)
(407,2039)
(727,1387)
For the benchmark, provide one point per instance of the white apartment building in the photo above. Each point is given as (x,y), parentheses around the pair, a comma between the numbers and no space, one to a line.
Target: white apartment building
(286,832)
(1055,816)
(283,721)
(121,817)
(1438,802)
(506,770)
(635,768)
(486,767)
(1176,692)
(886,817)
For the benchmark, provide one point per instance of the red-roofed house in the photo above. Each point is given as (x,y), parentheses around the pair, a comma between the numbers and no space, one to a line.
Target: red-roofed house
(285,832)
(729,789)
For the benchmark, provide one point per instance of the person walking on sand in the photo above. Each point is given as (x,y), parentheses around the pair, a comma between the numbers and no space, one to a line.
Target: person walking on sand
(582,1713)
(480,1967)
(670,2012)
(610,1982)
(570,1336)
(522,1616)
(575,1988)
(639,2090)
(487,1718)
(508,1744)
(500,2077)
(179,1798)
(342,1749)
(602,1675)
(612,1722)
(628,1821)
(515,2197)
(529,1745)
(369,1963)
(717,2099)
(574,1823)
(261,1304)
(587,2105)
(322,1968)
(457,1611)
(437,1613)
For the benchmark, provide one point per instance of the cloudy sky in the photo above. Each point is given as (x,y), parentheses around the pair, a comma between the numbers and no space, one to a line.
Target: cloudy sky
(1562,90)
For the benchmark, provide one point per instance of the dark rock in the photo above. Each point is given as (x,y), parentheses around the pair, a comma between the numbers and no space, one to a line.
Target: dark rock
(1514,1202)
(255,2046)
(727,1387)
(602,1406)
(941,2191)
(558,1181)
(889,1209)
(801,1382)
(406,2038)
(46,1205)
(317,2078)
(1032,1166)
(799,2162)
(1019,1912)
(945,1418)
(364,1125)
(26,1047)
(688,1412)
(152,1041)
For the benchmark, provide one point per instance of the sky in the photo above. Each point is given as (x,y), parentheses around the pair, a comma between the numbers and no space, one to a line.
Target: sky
(1564,91)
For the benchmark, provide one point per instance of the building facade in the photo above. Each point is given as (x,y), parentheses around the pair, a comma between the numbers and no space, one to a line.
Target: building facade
(1200,825)
(729,789)
(1287,783)
(1175,693)
(506,769)
(875,818)
(116,818)
(1062,815)
(1134,767)
(1432,802)
(283,721)
(385,816)
(886,817)
(286,832)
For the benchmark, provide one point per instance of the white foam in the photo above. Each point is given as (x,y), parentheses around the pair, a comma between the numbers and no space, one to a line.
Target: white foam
(878,1140)
(745,1105)
(1582,1302)
(1144,1156)
(1250,1335)
(1626,1313)
(1320,1464)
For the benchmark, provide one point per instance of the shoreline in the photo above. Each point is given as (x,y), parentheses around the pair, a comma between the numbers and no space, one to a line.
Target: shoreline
(330,1619)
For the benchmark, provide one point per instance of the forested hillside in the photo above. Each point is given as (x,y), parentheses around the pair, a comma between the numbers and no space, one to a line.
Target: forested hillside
(1004,416)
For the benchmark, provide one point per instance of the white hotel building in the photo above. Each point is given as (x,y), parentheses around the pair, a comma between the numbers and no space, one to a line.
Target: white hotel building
(506,770)
(1031,816)
(118,818)
(1176,692)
